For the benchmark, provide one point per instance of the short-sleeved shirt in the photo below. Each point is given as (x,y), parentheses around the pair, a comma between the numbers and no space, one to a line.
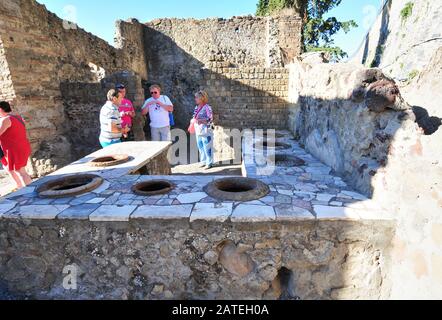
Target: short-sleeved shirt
(159,117)
(206,114)
(109,115)
(126,106)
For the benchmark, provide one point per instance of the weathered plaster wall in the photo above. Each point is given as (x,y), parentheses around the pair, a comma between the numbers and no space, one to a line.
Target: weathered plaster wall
(42,52)
(383,153)
(417,193)
(410,50)
(402,47)
(175,259)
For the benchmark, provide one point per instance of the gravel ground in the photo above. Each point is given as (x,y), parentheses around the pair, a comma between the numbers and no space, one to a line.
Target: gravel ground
(5,183)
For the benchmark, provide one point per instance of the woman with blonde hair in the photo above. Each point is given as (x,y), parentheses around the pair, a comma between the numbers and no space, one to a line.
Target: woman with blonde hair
(202,125)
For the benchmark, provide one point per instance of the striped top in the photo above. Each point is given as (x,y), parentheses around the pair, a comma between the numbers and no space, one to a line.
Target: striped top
(109,115)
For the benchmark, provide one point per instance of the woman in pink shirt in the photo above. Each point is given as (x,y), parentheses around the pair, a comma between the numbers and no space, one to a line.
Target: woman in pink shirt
(127,112)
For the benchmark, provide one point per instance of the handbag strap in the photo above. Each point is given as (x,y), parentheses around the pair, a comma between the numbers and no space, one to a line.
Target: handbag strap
(199,111)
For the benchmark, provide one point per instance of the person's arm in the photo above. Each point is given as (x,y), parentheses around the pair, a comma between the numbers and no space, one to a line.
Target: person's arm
(168,106)
(132,113)
(145,107)
(5,124)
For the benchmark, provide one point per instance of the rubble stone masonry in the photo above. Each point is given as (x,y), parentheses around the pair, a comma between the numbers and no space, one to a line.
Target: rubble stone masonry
(39,52)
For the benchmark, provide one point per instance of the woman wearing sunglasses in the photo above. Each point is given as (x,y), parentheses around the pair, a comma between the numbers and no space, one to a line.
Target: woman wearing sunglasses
(158,107)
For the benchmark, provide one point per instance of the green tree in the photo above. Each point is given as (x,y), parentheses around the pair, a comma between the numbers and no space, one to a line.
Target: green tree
(318,31)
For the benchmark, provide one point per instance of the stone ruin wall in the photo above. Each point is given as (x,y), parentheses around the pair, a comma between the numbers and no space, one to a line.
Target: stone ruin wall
(179,50)
(42,54)
(175,259)
(6,87)
(393,154)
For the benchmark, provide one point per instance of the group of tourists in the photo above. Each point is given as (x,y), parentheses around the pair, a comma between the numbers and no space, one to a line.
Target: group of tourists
(116,118)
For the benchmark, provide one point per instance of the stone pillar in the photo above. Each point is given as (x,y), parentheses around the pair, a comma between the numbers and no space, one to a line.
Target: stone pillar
(283,40)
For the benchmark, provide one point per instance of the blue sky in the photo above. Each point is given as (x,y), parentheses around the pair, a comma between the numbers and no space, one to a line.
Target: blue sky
(99,16)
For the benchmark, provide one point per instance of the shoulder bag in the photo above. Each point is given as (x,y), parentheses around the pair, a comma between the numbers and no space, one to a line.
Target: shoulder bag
(191,128)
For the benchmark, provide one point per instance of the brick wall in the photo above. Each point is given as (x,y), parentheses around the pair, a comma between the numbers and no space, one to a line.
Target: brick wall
(244,98)
(248,98)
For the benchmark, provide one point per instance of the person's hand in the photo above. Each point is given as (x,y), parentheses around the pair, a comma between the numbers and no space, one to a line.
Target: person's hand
(151,103)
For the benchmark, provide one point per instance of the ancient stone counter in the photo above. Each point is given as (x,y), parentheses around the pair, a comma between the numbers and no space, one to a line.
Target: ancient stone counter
(310,237)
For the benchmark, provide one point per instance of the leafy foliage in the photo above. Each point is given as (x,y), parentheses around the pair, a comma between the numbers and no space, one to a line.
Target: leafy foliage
(407,11)
(335,53)
(318,31)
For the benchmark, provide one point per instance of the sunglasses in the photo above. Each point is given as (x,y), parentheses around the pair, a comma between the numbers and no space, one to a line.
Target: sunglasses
(154,92)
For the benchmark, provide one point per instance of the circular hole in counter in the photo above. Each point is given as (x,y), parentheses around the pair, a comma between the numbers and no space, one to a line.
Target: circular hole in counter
(276,135)
(237,189)
(286,160)
(272,145)
(153,187)
(110,160)
(69,186)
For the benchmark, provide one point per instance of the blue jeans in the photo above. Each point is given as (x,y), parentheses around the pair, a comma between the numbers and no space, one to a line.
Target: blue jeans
(205,147)
(108,143)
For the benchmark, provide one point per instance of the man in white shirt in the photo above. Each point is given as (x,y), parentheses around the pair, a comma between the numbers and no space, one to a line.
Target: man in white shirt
(158,107)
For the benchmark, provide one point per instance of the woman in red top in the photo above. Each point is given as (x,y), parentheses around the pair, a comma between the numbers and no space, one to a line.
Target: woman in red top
(15,145)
